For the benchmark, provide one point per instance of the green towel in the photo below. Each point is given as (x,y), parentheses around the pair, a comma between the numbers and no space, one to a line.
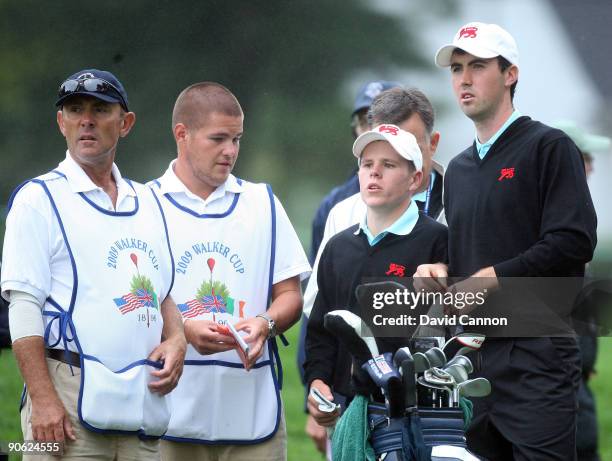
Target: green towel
(468,411)
(350,441)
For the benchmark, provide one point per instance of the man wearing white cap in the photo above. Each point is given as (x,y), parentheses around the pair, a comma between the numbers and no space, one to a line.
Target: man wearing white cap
(517,205)
(392,235)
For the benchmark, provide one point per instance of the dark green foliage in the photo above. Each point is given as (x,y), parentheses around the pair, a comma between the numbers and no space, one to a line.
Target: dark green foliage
(287,62)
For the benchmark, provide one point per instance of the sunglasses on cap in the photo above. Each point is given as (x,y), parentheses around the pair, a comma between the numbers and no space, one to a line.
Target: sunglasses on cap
(91,85)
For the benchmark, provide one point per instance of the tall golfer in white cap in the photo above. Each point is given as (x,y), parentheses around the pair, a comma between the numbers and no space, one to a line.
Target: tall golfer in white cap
(391,240)
(517,205)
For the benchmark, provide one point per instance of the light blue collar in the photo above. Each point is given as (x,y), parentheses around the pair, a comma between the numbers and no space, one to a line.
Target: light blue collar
(402,226)
(482,149)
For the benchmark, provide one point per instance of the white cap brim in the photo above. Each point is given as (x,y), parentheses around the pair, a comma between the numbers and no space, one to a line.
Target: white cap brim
(366,138)
(370,136)
(445,53)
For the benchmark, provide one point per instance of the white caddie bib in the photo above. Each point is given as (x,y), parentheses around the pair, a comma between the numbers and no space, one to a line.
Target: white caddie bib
(122,268)
(224,272)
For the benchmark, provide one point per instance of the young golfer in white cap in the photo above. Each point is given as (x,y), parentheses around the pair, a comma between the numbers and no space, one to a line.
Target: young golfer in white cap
(517,205)
(391,240)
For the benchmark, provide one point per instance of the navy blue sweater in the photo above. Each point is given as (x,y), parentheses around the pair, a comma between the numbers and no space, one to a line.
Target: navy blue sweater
(524,209)
(345,262)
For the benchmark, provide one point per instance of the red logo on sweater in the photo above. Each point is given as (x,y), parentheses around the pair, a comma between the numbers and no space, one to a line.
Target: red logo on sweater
(506,173)
(468,32)
(396,269)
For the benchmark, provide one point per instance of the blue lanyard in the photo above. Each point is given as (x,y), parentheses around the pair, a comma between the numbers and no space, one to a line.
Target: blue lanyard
(428,195)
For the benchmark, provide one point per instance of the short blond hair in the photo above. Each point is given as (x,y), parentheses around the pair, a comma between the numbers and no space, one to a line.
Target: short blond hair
(197,101)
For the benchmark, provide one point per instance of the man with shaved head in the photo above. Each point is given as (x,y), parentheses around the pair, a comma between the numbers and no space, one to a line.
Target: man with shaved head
(238,263)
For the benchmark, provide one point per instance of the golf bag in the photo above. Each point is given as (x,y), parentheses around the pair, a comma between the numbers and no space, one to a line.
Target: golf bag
(420,418)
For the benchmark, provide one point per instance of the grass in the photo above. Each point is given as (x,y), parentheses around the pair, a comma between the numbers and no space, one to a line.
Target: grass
(10,393)
(603,397)
(299,446)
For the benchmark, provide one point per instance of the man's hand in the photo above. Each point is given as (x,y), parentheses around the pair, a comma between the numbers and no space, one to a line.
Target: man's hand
(50,422)
(172,353)
(205,337)
(431,277)
(257,332)
(482,283)
(317,433)
(322,418)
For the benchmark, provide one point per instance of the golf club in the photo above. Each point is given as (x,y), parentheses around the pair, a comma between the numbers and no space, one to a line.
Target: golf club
(463,361)
(477,387)
(458,372)
(421,362)
(436,357)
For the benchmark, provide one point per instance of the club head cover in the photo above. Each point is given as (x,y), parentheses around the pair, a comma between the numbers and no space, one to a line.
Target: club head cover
(386,376)
(365,291)
(403,353)
(342,325)
(463,343)
(409,382)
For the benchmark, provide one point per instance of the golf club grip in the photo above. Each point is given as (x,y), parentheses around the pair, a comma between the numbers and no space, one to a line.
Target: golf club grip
(409,381)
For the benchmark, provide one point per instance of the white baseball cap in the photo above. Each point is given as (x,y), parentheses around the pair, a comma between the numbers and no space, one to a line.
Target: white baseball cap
(481,40)
(403,142)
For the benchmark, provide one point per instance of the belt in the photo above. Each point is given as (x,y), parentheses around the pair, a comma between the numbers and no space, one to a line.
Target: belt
(68,357)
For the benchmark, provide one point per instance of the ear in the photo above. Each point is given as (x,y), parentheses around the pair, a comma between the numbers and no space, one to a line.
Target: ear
(433,142)
(60,122)
(417,179)
(129,119)
(512,74)
(180,132)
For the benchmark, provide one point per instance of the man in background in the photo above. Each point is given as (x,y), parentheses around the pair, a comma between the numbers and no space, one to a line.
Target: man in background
(586,423)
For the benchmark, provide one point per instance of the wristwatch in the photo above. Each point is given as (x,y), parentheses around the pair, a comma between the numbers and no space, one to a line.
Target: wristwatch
(271,325)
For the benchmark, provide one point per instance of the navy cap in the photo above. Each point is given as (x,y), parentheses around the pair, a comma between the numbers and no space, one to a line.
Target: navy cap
(111,89)
(369,91)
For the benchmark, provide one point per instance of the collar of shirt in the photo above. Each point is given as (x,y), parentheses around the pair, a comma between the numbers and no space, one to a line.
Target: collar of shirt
(80,182)
(482,149)
(171,184)
(422,196)
(402,226)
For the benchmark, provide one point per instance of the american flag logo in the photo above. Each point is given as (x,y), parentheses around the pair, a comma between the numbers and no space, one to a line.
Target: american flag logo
(130,302)
(191,309)
(208,304)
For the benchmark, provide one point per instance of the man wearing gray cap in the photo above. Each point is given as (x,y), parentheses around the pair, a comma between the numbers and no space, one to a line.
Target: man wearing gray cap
(87,270)
(517,205)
